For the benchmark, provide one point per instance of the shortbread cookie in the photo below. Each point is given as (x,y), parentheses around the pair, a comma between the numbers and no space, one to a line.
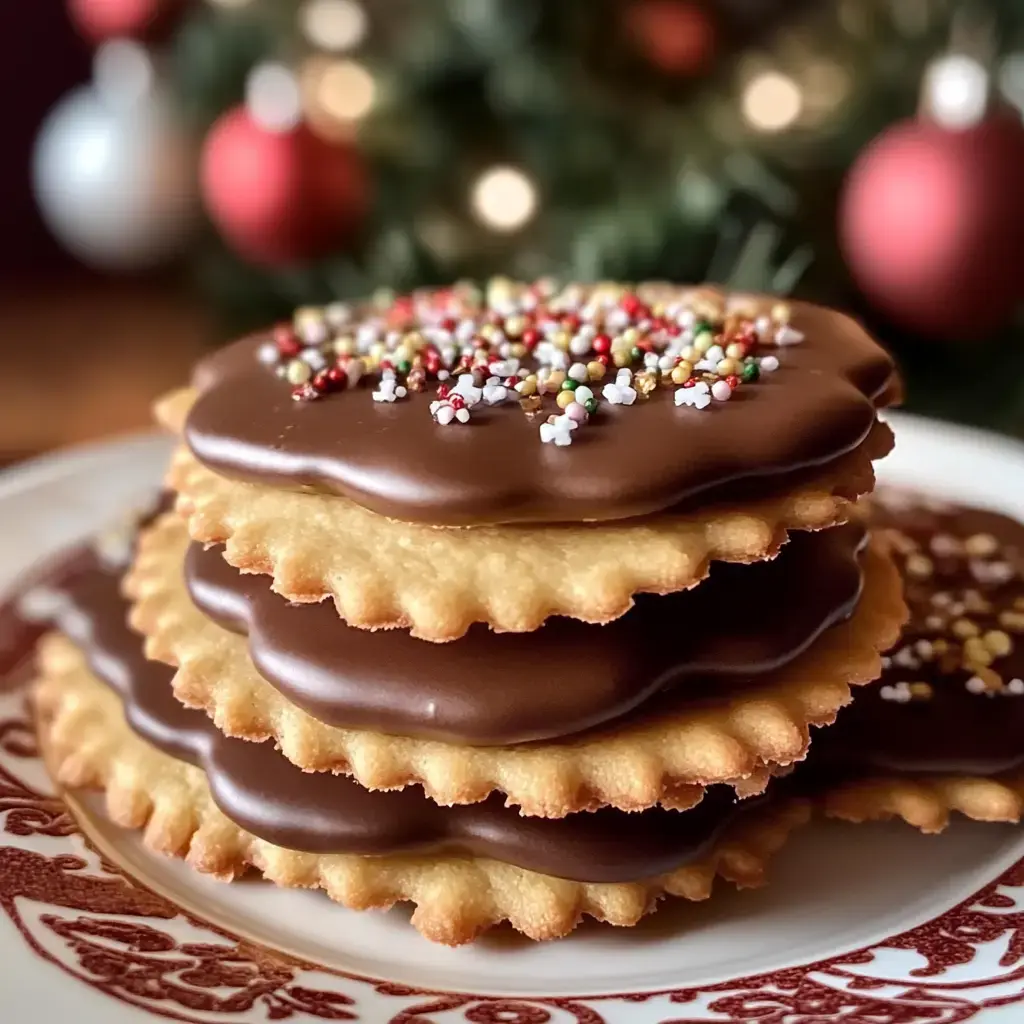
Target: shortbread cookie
(434,408)
(582,438)
(438,582)
(943,729)
(669,756)
(227,804)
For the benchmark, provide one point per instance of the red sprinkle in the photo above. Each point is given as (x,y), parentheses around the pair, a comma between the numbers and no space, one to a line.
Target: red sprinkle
(287,341)
(604,359)
(457,402)
(732,380)
(337,378)
(305,393)
(443,391)
(689,383)
(601,344)
(531,337)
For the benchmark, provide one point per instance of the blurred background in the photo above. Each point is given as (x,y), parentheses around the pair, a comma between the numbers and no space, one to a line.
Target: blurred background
(179,170)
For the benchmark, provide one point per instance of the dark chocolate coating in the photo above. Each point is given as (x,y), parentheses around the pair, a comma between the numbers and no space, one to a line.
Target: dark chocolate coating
(628,461)
(324,813)
(566,677)
(954,730)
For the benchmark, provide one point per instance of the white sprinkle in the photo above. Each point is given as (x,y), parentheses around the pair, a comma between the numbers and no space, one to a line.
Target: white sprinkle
(583,394)
(944,545)
(624,376)
(558,431)
(1016,687)
(976,685)
(465,387)
(616,319)
(698,397)
(559,360)
(495,393)
(769,364)
(650,360)
(389,391)
(443,374)
(667,361)
(580,344)
(706,366)
(462,415)
(905,658)
(579,372)
(267,353)
(41,604)
(619,394)
(886,662)
(721,391)
(465,331)
(445,415)
(763,325)
(787,335)
(715,354)
(505,368)
(898,692)
(338,314)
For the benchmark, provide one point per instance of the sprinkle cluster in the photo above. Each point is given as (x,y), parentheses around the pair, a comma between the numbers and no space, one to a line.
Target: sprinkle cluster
(967,608)
(557,352)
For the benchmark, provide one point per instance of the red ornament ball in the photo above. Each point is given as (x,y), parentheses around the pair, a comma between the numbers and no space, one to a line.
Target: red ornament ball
(99,20)
(932,225)
(676,36)
(281,197)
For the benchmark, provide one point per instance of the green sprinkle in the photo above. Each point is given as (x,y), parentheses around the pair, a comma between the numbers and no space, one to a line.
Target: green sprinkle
(590,405)
(569,384)
(751,371)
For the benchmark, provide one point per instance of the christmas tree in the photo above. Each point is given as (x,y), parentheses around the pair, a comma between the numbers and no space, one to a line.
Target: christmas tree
(860,153)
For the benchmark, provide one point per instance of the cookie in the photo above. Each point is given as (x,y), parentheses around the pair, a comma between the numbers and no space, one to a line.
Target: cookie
(942,730)
(737,739)
(227,805)
(457,456)
(415,410)
(436,582)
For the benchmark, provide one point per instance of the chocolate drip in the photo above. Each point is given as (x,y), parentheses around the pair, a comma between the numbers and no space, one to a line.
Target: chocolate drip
(324,813)
(922,715)
(630,461)
(501,688)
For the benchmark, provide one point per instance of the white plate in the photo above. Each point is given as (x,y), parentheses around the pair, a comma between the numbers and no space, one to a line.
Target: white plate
(859,925)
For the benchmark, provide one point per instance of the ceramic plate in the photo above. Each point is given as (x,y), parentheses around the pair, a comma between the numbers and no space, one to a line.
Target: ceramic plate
(859,924)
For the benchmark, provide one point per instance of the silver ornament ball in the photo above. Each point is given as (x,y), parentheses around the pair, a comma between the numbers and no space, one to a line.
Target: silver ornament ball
(113,171)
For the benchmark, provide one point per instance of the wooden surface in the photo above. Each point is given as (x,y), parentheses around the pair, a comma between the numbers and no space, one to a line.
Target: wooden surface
(86,360)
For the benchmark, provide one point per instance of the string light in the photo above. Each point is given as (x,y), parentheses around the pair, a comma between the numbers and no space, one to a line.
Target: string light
(335,25)
(956,91)
(504,198)
(273,97)
(341,91)
(772,101)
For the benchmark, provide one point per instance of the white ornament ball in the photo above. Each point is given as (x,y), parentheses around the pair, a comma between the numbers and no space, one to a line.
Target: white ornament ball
(114,173)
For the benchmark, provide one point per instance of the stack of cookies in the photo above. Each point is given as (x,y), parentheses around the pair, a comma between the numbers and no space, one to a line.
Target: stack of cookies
(508,602)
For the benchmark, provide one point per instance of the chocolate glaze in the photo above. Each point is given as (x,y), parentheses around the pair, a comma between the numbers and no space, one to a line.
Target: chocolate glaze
(954,730)
(568,676)
(323,813)
(630,461)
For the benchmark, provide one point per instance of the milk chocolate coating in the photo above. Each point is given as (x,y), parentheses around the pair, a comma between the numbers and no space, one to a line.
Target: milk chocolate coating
(566,677)
(628,461)
(954,730)
(323,813)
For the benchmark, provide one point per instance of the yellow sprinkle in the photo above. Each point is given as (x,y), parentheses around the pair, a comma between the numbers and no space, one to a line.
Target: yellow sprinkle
(561,340)
(595,370)
(964,628)
(920,691)
(735,350)
(528,385)
(703,342)
(1013,621)
(919,566)
(554,380)
(981,545)
(514,326)
(344,346)
(781,313)
(621,359)
(727,366)
(298,372)
(976,653)
(998,642)
(681,372)
(565,399)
